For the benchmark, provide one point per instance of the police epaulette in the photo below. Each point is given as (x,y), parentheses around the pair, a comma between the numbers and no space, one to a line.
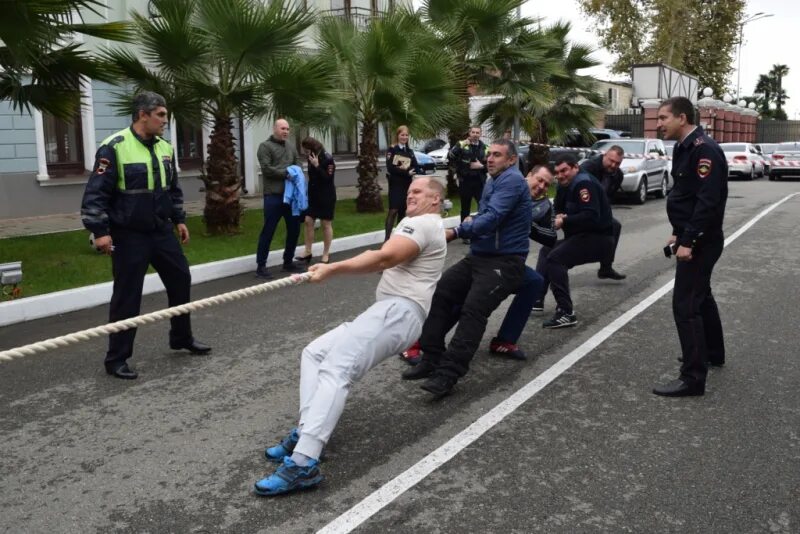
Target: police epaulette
(117,139)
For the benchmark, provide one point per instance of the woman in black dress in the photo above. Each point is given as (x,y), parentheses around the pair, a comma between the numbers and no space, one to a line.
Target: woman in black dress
(400,168)
(321,196)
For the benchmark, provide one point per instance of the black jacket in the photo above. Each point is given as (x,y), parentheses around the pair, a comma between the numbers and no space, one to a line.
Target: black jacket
(611,181)
(696,204)
(393,172)
(465,153)
(585,203)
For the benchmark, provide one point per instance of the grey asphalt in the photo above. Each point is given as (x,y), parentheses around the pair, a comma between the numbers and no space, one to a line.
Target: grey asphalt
(595,451)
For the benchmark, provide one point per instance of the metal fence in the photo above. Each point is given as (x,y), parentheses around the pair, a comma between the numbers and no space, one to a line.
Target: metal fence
(633,123)
(769,131)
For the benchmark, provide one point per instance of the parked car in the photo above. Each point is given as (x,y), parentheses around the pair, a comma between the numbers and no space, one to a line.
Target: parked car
(669,145)
(765,150)
(554,153)
(644,166)
(425,163)
(576,139)
(743,160)
(440,156)
(785,155)
(430,145)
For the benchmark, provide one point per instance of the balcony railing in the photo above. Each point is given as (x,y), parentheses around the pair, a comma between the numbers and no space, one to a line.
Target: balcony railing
(360,16)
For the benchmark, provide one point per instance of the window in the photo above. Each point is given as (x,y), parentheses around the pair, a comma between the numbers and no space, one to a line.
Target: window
(63,142)
(189,144)
(344,142)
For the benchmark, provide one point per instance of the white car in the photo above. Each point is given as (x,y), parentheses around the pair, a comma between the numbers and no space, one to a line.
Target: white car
(744,160)
(440,156)
(645,168)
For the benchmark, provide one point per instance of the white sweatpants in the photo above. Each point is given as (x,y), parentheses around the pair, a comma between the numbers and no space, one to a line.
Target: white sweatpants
(334,361)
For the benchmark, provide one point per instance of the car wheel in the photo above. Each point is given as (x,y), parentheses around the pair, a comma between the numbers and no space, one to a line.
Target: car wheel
(641,193)
(752,173)
(773,177)
(662,192)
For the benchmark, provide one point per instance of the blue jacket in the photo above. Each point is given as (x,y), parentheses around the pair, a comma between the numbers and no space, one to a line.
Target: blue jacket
(503,222)
(295,192)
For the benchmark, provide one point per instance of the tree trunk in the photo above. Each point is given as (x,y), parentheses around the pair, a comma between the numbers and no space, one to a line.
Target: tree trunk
(223,211)
(369,193)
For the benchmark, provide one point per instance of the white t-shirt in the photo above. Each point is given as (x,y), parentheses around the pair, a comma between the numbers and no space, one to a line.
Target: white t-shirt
(416,279)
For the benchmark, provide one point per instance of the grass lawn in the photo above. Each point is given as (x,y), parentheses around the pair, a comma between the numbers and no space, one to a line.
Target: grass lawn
(65,260)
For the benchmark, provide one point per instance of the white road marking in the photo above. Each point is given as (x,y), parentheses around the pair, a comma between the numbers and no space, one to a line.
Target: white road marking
(374,502)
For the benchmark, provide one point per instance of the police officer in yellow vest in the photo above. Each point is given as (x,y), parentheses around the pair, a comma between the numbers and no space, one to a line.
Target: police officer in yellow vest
(131,202)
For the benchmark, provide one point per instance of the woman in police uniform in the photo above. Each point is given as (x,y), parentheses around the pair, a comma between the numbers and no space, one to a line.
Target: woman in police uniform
(401,166)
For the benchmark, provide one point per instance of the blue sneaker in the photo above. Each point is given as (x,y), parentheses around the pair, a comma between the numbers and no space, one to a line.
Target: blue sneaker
(289,477)
(284,448)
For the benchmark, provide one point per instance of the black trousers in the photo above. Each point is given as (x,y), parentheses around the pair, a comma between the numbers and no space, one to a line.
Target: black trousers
(616,229)
(133,253)
(468,189)
(696,313)
(467,294)
(575,250)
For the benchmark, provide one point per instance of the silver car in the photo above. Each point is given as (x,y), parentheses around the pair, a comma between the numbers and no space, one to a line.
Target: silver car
(744,161)
(645,168)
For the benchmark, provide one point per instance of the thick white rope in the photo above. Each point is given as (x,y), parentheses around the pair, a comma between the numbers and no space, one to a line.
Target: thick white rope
(133,322)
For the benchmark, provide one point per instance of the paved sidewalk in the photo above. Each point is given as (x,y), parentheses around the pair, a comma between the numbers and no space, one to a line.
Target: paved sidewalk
(72,221)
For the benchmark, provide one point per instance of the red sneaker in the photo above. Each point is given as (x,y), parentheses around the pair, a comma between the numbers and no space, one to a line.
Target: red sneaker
(413,355)
(505,348)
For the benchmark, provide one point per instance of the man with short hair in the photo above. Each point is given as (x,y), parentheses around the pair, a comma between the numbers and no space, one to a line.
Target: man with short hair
(583,213)
(473,288)
(412,260)
(469,156)
(275,155)
(133,204)
(605,168)
(696,209)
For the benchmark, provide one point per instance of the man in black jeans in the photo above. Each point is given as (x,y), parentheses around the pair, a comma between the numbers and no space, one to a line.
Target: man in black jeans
(696,208)
(275,155)
(605,168)
(473,288)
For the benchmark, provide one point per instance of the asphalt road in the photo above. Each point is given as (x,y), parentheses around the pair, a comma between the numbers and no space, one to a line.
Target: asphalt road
(594,451)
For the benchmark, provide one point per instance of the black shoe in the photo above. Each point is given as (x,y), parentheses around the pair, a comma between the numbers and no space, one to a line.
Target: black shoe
(304,259)
(538,306)
(679,388)
(439,385)
(124,372)
(423,369)
(292,268)
(195,347)
(610,274)
(263,272)
(561,319)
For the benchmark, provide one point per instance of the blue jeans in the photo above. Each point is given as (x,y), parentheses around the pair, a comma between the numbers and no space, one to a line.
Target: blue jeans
(520,309)
(274,210)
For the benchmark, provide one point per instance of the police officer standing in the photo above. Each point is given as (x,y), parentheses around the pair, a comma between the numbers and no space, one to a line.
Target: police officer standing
(583,213)
(696,208)
(131,202)
(605,167)
(469,156)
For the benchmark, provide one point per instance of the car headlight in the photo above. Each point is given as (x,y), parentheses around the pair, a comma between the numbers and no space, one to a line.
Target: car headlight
(629,170)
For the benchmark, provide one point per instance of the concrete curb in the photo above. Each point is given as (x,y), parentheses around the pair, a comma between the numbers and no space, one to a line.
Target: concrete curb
(50,304)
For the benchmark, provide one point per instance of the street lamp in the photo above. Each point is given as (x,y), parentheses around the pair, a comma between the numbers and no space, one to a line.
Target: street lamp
(758,16)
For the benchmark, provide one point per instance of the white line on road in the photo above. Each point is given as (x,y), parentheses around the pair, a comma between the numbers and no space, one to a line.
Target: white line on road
(374,502)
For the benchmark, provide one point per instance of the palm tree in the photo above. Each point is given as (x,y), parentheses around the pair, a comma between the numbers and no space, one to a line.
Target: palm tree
(476,35)
(214,60)
(389,72)
(778,72)
(766,87)
(39,65)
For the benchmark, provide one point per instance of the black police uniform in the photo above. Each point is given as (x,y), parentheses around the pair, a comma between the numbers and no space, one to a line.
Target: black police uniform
(587,234)
(140,221)
(696,208)
(470,181)
(399,179)
(611,183)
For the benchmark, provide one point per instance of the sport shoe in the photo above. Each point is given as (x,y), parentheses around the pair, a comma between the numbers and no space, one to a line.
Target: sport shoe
(561,319)
(505,348)
(538,306)
(284,448)
(413,355)
(439,385)
(289,477)
(292,268)
(610,274)
(263,272)
(423,369)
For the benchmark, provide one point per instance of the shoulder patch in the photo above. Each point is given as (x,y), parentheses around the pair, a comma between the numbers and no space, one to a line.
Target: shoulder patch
(585,195)
(102,165)
(407,230)
(703,168)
